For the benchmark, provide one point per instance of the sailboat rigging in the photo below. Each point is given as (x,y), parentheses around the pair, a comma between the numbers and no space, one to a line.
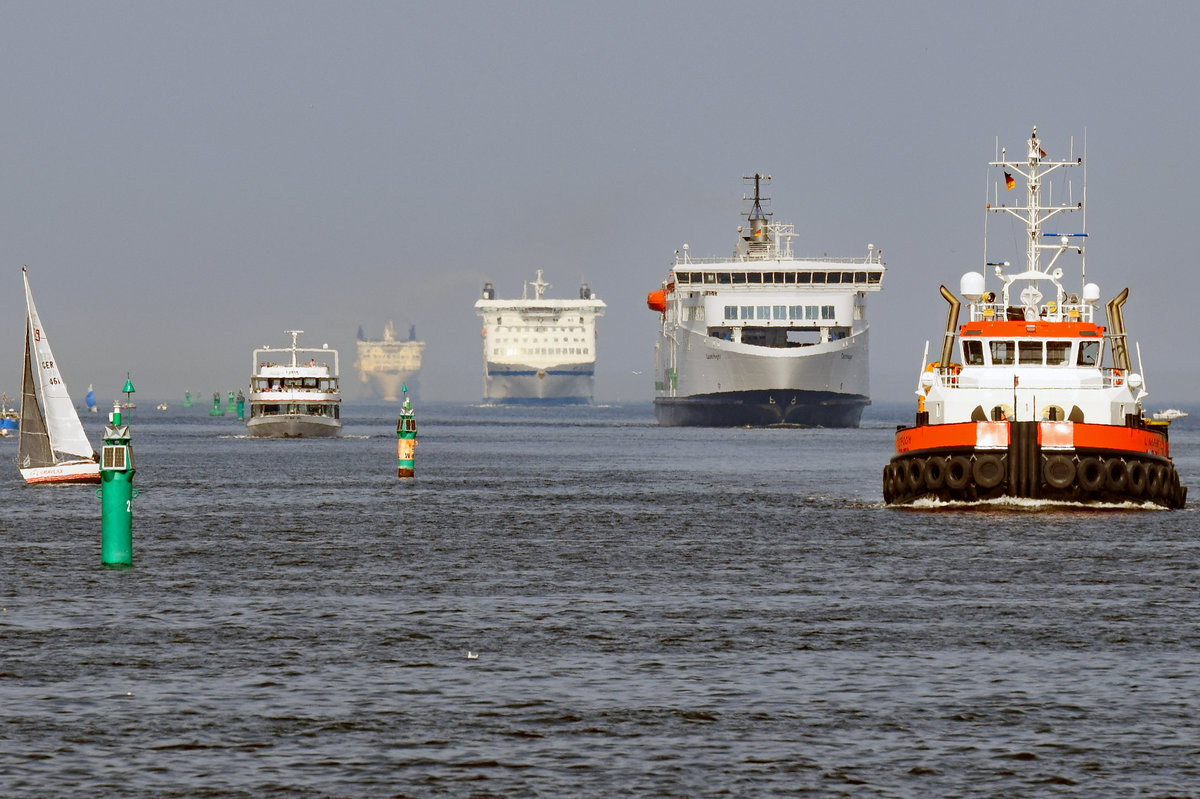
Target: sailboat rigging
(53,447)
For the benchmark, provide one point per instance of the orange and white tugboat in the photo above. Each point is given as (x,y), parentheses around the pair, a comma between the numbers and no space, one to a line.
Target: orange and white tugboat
(1032,397)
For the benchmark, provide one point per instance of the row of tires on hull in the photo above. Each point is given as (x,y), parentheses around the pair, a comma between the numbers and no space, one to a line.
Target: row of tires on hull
(973,476)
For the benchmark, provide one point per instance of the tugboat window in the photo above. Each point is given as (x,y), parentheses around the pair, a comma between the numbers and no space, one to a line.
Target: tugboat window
(1058,353)
(973,353)
(1089,353)
(747,311)
(804,277)
(1030,353)
(1003,353)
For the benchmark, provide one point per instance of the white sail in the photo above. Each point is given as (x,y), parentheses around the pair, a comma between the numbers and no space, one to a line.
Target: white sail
(62,422)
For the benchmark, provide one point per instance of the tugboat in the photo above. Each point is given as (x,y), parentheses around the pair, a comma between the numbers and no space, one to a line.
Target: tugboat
(1032,397)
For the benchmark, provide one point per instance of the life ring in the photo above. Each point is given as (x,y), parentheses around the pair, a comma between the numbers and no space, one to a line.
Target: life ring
(1135,474)
(935,473)
(988,471)
(1090,474)
(1117,379)
(1058,471)
(958,472)
(1115,476)
(914,470)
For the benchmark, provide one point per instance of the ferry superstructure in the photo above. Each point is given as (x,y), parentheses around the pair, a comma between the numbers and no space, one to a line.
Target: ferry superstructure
(538,350)
(294,391)
(763,337)
(388,365)
(1032,397)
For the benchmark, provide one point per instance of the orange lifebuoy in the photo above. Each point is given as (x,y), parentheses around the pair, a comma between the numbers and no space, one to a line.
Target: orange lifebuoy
(1116,377)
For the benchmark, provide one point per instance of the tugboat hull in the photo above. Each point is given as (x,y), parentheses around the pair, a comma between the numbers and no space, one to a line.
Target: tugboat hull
(1035,465)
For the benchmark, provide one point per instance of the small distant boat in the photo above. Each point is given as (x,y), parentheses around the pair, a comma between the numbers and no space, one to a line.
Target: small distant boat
(53,447)
(8,417)
(162,406)
(1169,415)
(295,396)
(90,399)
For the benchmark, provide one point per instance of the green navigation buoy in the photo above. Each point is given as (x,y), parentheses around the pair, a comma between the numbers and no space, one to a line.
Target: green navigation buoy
(116,492)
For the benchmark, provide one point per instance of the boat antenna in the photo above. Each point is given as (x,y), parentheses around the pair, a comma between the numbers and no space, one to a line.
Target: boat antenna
(294,333)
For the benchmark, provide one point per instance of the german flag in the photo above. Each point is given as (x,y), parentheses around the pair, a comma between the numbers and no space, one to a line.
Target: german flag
(1008,182)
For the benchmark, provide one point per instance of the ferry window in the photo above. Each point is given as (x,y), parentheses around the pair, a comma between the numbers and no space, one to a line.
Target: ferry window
(1058,353)
(683,277)
(710,277)
(779,277)
(973,353)
(1089,353)
(754,277)
(780,311)
(724,278)
(874,277)
(791,277)
(847,277)
(795,311)
(768,277)
(1003,352)
(804,277)
(747,311)
(1029,352)
(860,277)
(827,312)
(764,312)
(818,277)
(739,277)
(811,312)
(834,277)
(731,312)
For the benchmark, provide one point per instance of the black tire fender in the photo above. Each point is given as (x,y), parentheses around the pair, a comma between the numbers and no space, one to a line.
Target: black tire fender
(988,471)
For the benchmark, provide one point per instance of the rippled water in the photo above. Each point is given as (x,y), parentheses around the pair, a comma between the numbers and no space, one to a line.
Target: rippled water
(656,612)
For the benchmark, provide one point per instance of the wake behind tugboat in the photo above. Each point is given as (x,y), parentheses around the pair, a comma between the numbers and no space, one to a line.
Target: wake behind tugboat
(1025,400)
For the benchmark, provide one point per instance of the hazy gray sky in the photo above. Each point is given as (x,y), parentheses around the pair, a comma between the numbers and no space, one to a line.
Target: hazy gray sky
(188,180)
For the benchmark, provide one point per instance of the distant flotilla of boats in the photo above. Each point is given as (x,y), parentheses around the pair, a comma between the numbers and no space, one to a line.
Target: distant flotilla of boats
(1023,400)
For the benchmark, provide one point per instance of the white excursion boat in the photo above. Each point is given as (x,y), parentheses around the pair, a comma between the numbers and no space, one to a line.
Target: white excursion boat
(1021,401)
(537,350)
(762,337)
(1169,415)
(296,396)
(53,447)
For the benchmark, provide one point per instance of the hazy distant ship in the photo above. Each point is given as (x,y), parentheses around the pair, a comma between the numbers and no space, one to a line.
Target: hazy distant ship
(389,364)
(538,350)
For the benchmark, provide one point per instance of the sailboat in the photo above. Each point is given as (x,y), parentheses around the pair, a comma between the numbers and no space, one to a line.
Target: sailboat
(53,447)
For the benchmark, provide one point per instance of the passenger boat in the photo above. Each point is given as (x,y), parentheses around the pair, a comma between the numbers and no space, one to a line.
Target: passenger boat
(294,392)
(763,337)
(1032,397)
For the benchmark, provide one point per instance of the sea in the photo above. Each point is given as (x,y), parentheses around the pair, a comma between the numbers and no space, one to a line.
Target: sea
(577,602)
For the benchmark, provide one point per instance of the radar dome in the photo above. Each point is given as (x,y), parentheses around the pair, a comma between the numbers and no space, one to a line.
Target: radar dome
(971,286)
(1091,293)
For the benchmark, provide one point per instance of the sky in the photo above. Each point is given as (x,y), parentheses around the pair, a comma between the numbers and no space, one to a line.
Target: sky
(186,181)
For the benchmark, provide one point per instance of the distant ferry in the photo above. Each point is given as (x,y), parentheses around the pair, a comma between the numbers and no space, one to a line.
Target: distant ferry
(539,350)
(388,364)
(297,395)
(763,337)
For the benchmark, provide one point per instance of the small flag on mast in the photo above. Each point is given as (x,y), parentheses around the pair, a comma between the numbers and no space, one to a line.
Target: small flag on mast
(1042,152)
(1008,182)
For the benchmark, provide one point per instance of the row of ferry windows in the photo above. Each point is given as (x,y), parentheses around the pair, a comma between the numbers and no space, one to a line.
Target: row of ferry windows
(539,351)
(779,312)
(792,278)
(1030,353)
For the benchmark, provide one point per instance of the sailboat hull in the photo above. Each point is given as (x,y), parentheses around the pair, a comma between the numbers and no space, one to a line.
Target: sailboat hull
(69,472)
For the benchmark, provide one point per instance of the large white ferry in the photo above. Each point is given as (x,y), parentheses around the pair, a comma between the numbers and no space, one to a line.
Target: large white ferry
(763,337)
(294,391)
(539,350)
(388,365)
(1032,397)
